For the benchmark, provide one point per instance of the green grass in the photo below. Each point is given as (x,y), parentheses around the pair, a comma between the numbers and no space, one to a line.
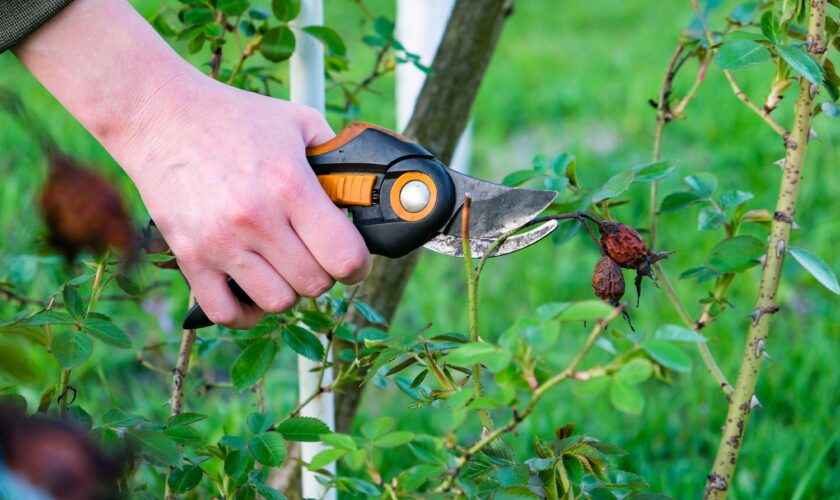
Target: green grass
(573,77)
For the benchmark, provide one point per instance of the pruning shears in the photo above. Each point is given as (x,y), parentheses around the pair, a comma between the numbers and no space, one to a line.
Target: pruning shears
(401,198)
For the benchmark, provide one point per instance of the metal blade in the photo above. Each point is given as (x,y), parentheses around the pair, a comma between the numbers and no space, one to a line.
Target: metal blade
(496,209)
(453,245)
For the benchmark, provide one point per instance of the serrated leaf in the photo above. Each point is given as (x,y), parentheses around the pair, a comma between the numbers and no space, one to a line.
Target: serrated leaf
(252,363)
(616,185)
(185,419)
(817,267)
(704,183)
(653,171)
(679,200)
(331,40)
(268,449)
(377,427)
(116,417)
(627,398)
(48,317)
(285,10)
(71,348)
(732,199)
(129,286)
(676,333)
(260,422)
(710,218)
(634,372)
(495,358)
(736,254)
(232,7)
(307,429)
(155,447)
(584,310)
(393,439)
(802,62)
(184,479)
(303,342)
(339,440)
(327,457)
(183,434)
(741,53)
(105,330)
(668,355)
(369,313)
(238,463)
(72,301)
(197,16)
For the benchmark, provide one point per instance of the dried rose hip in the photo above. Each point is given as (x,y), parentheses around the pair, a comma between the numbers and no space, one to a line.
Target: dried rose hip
(608,281)
(83,211)
(623,244)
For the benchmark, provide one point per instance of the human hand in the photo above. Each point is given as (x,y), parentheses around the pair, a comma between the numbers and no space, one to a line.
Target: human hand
(223,172)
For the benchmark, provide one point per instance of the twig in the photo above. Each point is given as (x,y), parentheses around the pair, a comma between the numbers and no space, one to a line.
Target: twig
(736,89)
(796,145)
(10,294)
(538,393)
(472,300)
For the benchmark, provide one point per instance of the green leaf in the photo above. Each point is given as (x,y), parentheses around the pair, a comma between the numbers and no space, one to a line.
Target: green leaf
(679,200)
(327,457)
(636,371)
(384,27)
(252,363)
(104,329)
(48,317)
(817,267)
(472,353)
(71,348)
(394,439)
(802,62)
(520,177)
(129,286)
(654,171)
(584,310)
(704,183)
(303,342)
(741,53)
(72,301)
(668,355)
(260,422)
(232,7)
(116,417)
(184,479)
(339,440)
(676,333)
(732,199)
(185,419)
(369,313)
(513,475)
(306,429)
(540,163)
(258,14)
(268,449)
(736,254)
(238,463)
(183,434)
(627,398)
(80,416)
(710,218)
(331,40)
(196,16)
(770,26)
(268,493)
(561,163)
(378,427)
(556,183)
(745,13)
(616,185)
(155,447)
(285,10)
(278,44)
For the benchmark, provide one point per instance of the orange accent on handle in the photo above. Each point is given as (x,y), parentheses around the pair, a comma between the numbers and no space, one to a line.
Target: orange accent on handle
(348,134)
(401,181)
(349,189)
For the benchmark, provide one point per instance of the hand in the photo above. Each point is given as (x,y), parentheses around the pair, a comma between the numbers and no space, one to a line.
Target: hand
(223,172)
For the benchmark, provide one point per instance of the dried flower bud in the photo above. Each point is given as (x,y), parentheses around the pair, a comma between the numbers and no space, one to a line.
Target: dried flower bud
(608,281)
(83,211)
(623,244)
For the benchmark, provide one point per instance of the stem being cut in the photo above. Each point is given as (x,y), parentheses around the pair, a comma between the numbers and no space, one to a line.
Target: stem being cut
(720,478)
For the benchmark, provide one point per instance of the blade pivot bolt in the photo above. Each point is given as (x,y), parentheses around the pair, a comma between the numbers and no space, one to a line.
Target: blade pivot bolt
(414,196)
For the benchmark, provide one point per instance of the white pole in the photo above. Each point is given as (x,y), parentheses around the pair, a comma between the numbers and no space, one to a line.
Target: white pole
(308,87)
(420,27)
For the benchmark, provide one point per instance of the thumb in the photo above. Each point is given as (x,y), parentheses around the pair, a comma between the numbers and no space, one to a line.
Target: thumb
(315,128)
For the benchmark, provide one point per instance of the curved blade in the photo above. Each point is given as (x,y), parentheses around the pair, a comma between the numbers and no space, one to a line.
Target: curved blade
(496,209)
(453,245)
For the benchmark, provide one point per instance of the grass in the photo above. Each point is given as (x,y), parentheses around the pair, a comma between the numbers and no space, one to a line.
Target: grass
(574,78)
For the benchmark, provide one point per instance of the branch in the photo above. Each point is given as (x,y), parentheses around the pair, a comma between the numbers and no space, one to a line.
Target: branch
(539,392)
(796,146)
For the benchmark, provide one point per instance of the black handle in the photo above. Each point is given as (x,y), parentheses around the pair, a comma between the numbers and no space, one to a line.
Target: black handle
(364,169)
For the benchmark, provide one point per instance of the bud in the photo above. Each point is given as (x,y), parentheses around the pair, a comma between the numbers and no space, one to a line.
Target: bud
(608,281)
(623,244)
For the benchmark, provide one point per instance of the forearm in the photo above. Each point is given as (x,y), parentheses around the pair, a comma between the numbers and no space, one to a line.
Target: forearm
(107,66)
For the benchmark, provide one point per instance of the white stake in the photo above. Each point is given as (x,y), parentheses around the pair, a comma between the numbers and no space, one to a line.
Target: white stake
(308,87)
(420,27)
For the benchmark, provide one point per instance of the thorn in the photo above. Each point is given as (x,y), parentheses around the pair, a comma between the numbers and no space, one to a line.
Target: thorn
(766,356)
(812,90)
(763,259)
(755,403)
(780,163)
(761,311)
(780,248)
(759,348)
(812,134)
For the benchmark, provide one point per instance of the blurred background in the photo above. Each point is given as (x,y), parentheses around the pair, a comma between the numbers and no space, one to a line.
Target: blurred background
(570,77)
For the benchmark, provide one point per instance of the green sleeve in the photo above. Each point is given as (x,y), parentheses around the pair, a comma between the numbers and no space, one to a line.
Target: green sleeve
(19,18)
